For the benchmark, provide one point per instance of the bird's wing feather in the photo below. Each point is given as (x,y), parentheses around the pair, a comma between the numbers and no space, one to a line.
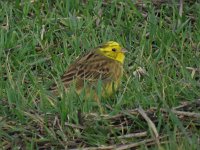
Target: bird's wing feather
(91,68)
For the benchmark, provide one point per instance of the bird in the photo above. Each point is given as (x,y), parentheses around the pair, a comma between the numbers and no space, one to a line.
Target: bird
(102,65)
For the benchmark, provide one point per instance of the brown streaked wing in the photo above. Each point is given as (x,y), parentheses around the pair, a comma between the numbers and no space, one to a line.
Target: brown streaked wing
(90,67)
(70,74)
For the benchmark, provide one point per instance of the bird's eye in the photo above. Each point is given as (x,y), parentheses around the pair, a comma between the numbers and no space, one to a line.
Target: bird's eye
(114,50)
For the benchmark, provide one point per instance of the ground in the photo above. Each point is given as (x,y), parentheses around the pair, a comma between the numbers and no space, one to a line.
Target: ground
(157,105)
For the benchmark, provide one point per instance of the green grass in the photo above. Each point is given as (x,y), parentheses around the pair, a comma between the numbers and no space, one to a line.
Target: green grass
(39,40)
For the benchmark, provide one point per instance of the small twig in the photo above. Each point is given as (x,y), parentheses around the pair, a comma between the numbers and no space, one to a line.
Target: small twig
(108,117)
(134,145)
(180,8)
(135,112)
(97,148)
(42,32)
(74,126)
(180,12)
(132,135)
(150,124)
(193,69)
(126,146)
(184,113)
(137,144)
(183,104)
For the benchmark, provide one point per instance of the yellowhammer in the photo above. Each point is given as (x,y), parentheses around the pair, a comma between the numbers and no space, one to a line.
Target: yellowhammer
(103,64)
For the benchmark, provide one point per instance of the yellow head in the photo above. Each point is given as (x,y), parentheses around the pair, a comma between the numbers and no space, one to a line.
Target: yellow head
(112,50)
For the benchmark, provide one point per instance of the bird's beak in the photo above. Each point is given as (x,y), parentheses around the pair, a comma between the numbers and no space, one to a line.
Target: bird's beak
(124,50)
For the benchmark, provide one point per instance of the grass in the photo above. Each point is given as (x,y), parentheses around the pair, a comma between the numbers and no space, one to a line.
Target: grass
(40,39)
